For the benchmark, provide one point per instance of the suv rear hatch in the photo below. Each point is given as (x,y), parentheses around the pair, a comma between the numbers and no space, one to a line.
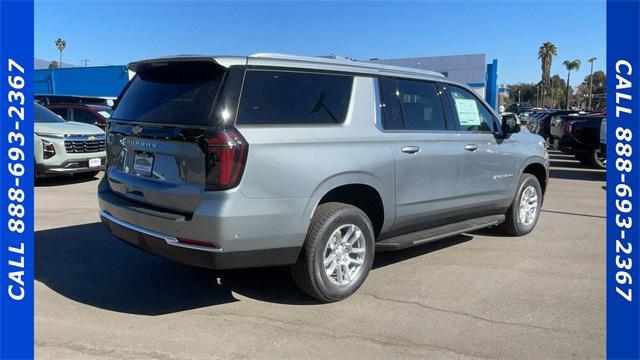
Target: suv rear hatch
(167,141)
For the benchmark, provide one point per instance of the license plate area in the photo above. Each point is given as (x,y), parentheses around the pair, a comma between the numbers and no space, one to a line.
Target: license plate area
(143,163)
(95,162)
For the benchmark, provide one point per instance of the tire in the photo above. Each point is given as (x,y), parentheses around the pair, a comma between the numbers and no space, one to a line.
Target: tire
(514,224)
(597,159)
(310,273)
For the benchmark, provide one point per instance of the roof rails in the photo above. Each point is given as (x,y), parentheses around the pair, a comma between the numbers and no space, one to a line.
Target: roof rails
(344,61)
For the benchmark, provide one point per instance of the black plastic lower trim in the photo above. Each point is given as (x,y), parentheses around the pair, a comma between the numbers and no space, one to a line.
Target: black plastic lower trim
(202,258)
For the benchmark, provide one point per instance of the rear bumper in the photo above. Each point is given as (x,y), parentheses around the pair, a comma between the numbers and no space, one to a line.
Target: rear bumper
(238,232)
(214,258)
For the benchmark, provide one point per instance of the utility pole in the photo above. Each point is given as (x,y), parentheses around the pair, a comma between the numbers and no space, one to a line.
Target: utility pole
(519,96)
(86,62)
(553,93)
(592,60)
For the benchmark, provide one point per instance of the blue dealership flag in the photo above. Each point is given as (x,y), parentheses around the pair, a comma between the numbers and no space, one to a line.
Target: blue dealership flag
(16,179)
(623,182)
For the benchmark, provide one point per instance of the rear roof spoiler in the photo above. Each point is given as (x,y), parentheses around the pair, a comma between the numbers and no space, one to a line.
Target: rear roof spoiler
(224,61)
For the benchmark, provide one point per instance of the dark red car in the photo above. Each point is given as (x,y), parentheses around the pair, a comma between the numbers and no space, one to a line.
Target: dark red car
(85,113)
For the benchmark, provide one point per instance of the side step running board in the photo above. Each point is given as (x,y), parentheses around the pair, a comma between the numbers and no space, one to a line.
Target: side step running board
(437,233)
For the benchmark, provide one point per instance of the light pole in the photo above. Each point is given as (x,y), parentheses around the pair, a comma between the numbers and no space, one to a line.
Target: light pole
(592,60)
(553,93)
(519,96)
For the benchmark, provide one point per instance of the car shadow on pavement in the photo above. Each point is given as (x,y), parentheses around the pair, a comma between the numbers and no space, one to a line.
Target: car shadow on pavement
(577,174)
(63,180)
(87,264)
(567,164)
(385,258)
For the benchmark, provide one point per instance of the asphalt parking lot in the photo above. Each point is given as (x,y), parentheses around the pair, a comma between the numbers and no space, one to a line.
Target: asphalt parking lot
(478,295)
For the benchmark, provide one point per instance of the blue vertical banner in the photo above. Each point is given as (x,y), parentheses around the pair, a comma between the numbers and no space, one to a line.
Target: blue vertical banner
(623,182)
(16,179)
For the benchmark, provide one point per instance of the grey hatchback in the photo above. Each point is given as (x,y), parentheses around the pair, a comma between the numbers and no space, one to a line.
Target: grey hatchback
(314,163)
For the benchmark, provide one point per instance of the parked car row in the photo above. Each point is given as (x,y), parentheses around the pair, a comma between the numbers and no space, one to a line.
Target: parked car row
(579,135)
(573,132)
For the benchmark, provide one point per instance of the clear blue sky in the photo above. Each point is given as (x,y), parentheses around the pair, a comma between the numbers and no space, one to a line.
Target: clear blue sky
(118,32)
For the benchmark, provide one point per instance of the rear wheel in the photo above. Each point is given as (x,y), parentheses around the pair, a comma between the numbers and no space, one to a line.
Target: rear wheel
(337,254)
(598,159)
(523,214)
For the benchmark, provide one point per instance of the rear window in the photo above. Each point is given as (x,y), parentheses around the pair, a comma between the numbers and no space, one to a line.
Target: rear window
(294,98)
(171,93)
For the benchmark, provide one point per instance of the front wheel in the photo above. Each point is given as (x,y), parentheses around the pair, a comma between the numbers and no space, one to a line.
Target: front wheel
(523,214)
(337,254)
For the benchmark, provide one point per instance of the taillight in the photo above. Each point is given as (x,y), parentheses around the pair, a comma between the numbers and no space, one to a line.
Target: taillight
(226,157)
(567,126)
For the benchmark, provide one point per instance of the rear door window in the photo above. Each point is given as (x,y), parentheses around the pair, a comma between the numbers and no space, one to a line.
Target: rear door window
(421,105)
(469,112)
(171,93)
(293,98)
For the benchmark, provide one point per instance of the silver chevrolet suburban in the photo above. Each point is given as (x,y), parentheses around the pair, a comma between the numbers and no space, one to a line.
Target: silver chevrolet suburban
(314,163)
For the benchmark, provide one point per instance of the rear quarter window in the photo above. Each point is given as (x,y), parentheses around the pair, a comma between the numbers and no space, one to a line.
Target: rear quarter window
(293,98)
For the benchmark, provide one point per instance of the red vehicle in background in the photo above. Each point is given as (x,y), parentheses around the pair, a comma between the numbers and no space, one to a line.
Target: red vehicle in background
(86,113)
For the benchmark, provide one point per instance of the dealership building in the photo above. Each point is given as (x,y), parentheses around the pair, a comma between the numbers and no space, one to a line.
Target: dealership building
(108,81)
(472,70)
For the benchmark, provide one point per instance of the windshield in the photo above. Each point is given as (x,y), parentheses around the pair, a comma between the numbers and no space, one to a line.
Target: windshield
(171,93)
(44,115)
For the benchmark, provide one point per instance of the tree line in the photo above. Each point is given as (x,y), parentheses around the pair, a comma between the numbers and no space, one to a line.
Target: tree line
(556,92)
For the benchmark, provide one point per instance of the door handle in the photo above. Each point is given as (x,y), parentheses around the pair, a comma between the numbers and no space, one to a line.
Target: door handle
(410,149)
(471,147)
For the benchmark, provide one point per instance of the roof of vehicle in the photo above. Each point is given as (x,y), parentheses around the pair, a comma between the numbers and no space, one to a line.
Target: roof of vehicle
(332,63)
(92,106)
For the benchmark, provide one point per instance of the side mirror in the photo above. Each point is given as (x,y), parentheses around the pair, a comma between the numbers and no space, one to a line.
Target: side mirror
(509,124)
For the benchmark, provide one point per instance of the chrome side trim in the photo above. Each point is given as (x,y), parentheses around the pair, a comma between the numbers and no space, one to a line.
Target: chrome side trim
(170,240)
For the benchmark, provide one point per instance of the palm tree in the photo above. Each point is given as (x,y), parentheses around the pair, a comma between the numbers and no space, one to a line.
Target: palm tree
(546,52)
(570,65)
(61,45)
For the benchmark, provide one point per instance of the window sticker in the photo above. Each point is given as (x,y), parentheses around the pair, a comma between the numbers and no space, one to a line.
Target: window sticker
(468,113)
